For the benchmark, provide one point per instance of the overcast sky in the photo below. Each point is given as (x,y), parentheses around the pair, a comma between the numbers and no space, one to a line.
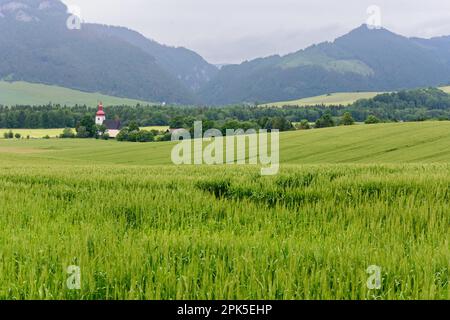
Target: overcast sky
(231,31)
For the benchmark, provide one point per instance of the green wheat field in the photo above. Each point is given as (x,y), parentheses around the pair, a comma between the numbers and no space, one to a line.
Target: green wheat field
(140,228)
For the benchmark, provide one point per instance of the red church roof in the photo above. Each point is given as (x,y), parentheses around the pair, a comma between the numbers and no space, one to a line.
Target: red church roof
(100,111)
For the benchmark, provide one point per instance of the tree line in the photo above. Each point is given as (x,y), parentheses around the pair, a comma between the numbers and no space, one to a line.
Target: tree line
(411,105)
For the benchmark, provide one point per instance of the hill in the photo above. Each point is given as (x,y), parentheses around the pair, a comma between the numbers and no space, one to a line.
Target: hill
(24,93)
(418,142)
(332,99)
(357,61)
(446,89)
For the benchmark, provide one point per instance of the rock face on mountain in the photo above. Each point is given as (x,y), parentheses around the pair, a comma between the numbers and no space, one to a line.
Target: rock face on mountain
(364,59)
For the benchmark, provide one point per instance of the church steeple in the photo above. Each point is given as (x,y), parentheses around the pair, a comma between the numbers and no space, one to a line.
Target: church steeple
(100,115)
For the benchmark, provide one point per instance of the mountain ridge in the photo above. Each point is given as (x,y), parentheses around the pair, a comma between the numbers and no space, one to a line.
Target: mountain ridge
(38,47)
(191,68)
(356,61)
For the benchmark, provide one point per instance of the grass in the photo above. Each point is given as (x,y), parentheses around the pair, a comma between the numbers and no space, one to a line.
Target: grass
(140,228)
(40,133)
(25,93)
(332,99)
(446,89)
(419,142)
(33,133)
(341,98)
(157,128)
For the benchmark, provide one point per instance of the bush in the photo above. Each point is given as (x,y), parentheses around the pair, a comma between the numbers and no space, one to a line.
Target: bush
(303,125)
(347,119)
(82,132)
(100,131)
(46,137)
(165,137)
(372,120)
(133,126)
(17,136)
(67,134)
(123,135)
(87,126)
(325,121)
(145,136)
(135,135)
(279,123)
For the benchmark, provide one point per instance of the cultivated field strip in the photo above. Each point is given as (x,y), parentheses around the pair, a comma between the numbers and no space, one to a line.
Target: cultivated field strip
(168,232)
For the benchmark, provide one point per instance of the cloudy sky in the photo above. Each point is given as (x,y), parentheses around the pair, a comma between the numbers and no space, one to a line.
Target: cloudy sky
(231,31)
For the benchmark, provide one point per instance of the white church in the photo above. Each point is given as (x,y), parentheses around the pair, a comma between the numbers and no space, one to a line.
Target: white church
(112,126)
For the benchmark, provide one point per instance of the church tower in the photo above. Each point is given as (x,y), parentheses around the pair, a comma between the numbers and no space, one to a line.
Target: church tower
(100,115)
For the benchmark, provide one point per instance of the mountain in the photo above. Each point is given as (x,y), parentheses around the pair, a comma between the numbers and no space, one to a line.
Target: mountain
(24,93)
(186,65)
(36,46)
(363,60)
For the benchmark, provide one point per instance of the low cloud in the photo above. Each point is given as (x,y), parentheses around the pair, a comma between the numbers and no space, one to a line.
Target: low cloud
(230,31)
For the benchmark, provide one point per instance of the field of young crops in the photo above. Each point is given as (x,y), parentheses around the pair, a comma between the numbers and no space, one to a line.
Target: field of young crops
(216,233)
(139,230)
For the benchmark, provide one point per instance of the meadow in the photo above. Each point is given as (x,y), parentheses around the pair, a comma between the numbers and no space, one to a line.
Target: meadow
(26,93)
(395,143)
(332,99)
(140,228)
(446,89)
(53,133)
(33,133)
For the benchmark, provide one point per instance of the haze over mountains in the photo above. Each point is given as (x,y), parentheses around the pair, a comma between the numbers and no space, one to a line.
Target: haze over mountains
(362,60)
(36,46)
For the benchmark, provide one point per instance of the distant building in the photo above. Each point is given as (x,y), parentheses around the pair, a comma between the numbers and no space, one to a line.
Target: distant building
(173,131)
(112,126)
